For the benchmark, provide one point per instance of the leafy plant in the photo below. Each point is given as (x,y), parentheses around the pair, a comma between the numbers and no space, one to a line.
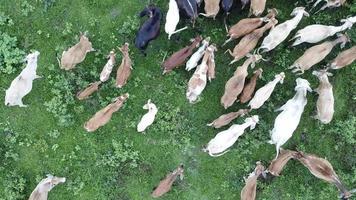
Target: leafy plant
(5,20)
(130,25)
(26,8)
(346,130)
(10,55)
(14,186)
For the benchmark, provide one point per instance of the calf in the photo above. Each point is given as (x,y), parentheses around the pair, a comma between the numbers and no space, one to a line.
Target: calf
(150,29)
(265,92)
(287,121)
(250,87)
(84,94)
(165,185)
(248,192)
(344,58)
(22,84)
(322,169)
(124,71)
(277,165)
(76,54)
(179,57)
(149,117)
(225,139)
(317,53)
(103,116)
(172,19)
(211,8)
(246,26)
(249,41)
(316,32)
(257,7)
(227,118)
(325,102)
(235,84)
(279,33)
(329,4)
(105,73)
(197,82)
(190,8)
(45,186)
(198,55)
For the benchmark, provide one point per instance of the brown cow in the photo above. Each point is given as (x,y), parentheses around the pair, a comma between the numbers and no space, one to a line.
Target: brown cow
(104,115)
(179,57)
(165,185)
(248,192)
(124,71)
(344,58)
(250,86)
(277,165)
(227,118)
(76,54)
(84,94)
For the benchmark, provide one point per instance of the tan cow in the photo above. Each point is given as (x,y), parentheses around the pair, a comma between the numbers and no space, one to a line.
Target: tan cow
(257,7)
(325,102)
(84,94)
(235,84)
(211,8)
(76,54)
(277,165)
(344,58)
(250,86)
(124,71)
(248,192)
(211,64)
(227,118)
(45,186)
(104,115)
(165,185)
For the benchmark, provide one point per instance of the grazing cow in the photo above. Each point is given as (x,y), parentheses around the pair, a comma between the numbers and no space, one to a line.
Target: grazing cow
(227,118)
(165,185)
(150,29)
(189,8)
(322,169)
(325,102)
(45,186)
(84,94)
(104,115)
(211,8)
(287,121)
(225,139)
(317,53)
(76,54)
(277,165)
(22,84)
(179,57)
(279,33)
(235,84)
(105,73)
(197,82)
(198,55)
(265,92)
(211,65)
(149,117)
(226,5)
(329,4)
(172,19)
(248,192)
(249,41)
(250,87)
(257,7)
(317,32)
(344,58)
(124,71)
(246,26)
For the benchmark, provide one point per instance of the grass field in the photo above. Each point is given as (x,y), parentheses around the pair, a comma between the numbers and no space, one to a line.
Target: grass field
(116,162)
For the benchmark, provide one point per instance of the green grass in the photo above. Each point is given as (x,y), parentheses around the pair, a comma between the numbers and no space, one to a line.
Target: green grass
(179,132)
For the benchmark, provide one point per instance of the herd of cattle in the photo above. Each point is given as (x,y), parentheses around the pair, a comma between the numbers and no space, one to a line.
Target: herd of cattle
(250,30)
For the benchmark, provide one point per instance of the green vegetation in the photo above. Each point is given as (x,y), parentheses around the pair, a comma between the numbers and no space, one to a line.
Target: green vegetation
(116,162)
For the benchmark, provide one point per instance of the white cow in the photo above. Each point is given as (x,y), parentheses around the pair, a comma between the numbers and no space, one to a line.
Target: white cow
(22,84)
(263,94)
(225,139)
(105,73)
(287,121)
(279,33)
(45,186)
(149,117)
(172,19)
(198,55)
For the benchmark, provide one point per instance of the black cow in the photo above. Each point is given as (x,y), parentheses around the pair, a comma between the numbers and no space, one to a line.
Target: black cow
(189,8)
(150,29)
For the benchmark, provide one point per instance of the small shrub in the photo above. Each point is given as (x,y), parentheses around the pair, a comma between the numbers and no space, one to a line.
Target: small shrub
(67,29)
(5,20)
(10,55)
(14,186)
(75,186)
(130,25)
(26,8)
(346,130)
